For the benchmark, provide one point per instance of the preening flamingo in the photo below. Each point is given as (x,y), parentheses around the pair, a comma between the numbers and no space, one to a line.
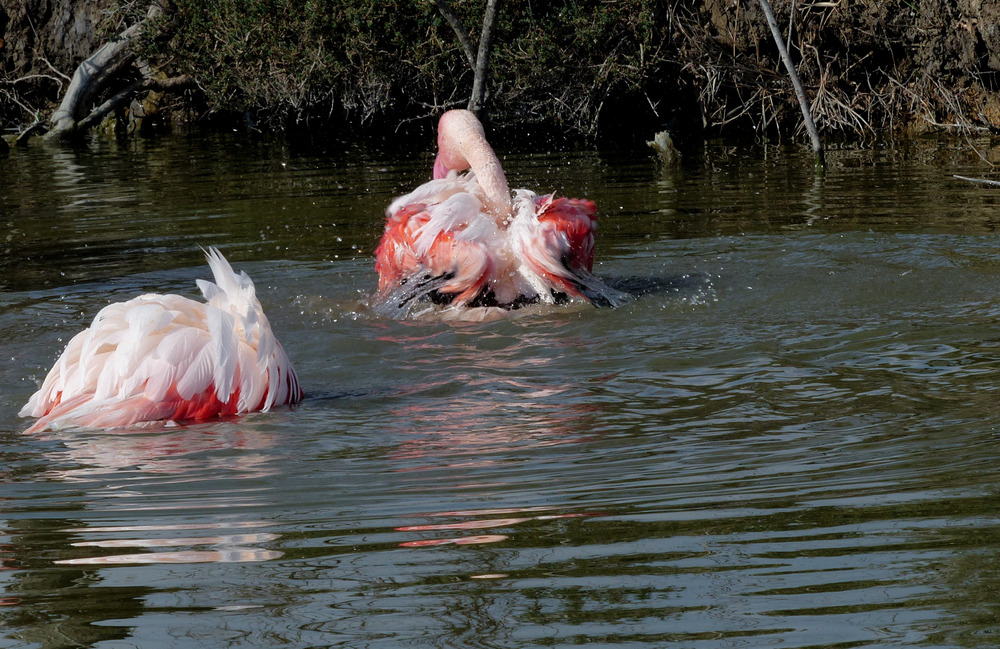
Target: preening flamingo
(463,240)
(167,357)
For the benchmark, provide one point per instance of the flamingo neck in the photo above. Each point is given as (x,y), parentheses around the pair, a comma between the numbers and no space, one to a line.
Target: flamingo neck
(462,145)
(493,181)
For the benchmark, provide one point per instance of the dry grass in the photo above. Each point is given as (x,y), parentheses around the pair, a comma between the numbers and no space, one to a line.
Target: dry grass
(869,66)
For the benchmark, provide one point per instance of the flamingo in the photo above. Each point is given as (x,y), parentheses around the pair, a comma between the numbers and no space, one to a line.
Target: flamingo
(465,240)
(167,357)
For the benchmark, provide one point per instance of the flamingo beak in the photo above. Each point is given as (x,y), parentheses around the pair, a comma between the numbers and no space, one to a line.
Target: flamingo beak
(440,168)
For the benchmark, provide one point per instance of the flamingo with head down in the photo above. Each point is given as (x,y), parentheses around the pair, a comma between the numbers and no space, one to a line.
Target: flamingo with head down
(167,357)
(465,241)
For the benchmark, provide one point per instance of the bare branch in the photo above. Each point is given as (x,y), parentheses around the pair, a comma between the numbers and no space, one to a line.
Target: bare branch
(483,59)
(799,92)
(53,68)
(29,77)
(978,180)
(456,24)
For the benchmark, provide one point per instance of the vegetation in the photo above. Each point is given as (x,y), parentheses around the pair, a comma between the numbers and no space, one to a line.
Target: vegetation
(586,66)
(291,62)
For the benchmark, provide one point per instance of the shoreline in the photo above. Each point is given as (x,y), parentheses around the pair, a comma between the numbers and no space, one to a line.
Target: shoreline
(587,70)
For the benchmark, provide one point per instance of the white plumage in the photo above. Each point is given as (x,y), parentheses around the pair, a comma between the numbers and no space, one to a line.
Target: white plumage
(167,357)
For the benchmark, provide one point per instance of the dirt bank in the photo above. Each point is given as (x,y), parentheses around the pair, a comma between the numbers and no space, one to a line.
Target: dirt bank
(590,67)
(42,43)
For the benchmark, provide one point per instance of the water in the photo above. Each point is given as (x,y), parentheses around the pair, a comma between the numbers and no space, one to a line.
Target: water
(790,439)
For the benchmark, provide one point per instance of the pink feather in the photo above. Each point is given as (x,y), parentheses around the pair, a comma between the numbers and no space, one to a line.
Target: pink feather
(167,357)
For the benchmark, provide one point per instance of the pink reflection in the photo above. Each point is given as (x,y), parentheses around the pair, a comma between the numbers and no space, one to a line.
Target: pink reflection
(465,525)
(498,511)
(199,454)
(232,555)
(170,526)
(467,432)
(221,548)
(168,450)
(171,454)
(231,539)
(479,525)
(509,397)
(463,540)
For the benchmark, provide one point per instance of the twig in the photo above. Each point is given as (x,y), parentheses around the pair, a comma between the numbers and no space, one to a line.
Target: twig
(53,68)
(29,77)
(14,97)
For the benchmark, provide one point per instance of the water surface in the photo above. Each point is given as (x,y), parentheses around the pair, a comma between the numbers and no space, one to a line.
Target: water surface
(789,439)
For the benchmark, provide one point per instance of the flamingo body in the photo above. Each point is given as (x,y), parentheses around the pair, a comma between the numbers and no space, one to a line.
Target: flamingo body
(167,357)
(464,240)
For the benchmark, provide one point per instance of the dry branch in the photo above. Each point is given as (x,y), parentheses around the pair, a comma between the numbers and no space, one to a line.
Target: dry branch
(91,76)
(478,62)
(456,25)
(483,58)
(799,92)
(98,114)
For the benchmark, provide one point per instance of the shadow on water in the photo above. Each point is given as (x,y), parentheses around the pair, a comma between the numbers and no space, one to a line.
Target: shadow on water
(691,287)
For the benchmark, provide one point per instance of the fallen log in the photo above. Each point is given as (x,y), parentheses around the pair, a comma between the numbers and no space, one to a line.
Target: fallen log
(74,114)
(123,97)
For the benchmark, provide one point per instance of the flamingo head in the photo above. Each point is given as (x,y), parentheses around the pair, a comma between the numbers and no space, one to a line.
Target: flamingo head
(462,145)
(458,131)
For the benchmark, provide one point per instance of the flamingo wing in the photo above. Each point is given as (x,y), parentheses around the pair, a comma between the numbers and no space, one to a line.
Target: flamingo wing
(441,248)
(554,239)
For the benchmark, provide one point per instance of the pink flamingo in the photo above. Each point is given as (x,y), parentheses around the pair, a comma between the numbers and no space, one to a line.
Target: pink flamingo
(167,357)
(464,240)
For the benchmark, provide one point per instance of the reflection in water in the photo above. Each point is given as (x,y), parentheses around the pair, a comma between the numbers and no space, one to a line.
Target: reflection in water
(171,475)
(514,399)
(477,524)
(66,620)
(230,548)
(171,451)
(229,555)
(173,456)
(477,539)
(458,430)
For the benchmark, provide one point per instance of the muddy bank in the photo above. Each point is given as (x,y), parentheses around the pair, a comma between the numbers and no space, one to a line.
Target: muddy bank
(589,67)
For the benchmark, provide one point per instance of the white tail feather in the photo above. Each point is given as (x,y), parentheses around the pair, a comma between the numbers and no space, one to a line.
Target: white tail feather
(139,357)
